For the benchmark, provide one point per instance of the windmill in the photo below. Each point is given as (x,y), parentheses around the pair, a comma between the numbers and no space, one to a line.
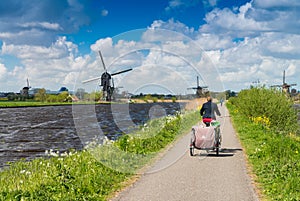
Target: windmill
(25,90)
(107,82)
(199,89)
(285,87)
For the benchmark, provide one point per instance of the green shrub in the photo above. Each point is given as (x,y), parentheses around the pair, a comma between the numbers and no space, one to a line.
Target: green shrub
(271,104)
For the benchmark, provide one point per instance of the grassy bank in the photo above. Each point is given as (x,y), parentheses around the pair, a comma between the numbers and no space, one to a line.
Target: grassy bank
(273,153)
(4,104)
(7,104)
(96,172)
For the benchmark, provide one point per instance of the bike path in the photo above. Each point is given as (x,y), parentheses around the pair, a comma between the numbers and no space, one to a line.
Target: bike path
(177,176)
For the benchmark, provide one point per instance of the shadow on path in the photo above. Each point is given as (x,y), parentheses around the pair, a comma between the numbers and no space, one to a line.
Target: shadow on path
(224,152)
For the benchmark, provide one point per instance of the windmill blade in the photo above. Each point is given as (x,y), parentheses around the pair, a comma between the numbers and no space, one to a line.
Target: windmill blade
(202,87)
(102,60)
(90,80)
(293,84)
(124,71)
(28,84)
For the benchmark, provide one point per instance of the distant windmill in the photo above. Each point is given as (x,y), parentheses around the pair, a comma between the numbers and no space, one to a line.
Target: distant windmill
(285,87)
(199,89)
(25,90)
(107,82)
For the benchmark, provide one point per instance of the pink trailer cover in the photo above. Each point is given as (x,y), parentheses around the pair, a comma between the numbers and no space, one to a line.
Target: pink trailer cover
(204,137)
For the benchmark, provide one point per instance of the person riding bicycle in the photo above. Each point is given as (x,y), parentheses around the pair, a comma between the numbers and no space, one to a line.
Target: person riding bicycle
(208,111)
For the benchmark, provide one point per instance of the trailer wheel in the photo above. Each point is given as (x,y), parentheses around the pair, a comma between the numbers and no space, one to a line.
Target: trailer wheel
(192,151)
(217,149)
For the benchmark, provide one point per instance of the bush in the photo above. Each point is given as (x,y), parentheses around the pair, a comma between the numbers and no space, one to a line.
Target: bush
(271,105)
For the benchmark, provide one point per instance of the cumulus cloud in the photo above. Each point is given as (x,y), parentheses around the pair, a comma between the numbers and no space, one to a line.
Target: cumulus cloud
(49,67)
(161,58)
(2,71)
(38,22)
(234,48)
(60,49)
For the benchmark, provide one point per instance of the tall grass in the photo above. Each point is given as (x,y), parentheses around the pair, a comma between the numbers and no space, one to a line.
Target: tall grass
(94,173)
(274,154)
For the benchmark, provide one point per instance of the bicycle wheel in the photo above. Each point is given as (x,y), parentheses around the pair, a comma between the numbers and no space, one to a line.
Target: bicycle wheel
(217,148)
(218,140)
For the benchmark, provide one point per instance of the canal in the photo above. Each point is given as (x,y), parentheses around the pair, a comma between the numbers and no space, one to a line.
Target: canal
(27,132)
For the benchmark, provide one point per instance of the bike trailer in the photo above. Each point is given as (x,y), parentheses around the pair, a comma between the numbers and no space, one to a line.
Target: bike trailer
(203,137)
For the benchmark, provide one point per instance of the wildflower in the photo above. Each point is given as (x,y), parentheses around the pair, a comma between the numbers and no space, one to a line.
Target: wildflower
(265,121)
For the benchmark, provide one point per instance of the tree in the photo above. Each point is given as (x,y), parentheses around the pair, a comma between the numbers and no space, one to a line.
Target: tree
(95,96)
(63,96)
(41,95)
(11,96)
(52,98)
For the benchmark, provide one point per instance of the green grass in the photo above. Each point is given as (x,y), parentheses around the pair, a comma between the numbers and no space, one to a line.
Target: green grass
(5,104)
(29,103)
(96,172)
(274,157)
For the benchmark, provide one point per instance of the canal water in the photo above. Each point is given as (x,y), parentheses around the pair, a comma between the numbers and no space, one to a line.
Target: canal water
(27,132)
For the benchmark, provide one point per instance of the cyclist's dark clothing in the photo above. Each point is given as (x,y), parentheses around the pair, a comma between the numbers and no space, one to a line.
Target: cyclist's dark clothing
(209,109)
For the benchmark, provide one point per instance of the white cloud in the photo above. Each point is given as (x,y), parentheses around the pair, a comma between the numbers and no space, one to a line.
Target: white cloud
(2,71)
(276,3)
(49,67)
(235,48)
(57,50)
(227,22)
(45,25)
(40,23)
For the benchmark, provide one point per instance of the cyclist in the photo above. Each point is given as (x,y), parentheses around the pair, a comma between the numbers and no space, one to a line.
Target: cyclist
(208,111)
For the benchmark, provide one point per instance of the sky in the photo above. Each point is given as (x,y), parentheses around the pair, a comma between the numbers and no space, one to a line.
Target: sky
(228,44)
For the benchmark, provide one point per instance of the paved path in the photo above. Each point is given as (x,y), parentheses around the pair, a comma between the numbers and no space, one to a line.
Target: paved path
(178,176)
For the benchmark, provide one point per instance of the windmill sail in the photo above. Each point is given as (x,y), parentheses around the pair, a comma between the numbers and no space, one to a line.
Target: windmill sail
(102,60)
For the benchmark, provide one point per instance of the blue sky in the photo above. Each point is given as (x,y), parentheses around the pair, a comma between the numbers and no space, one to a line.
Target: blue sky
(54,43)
